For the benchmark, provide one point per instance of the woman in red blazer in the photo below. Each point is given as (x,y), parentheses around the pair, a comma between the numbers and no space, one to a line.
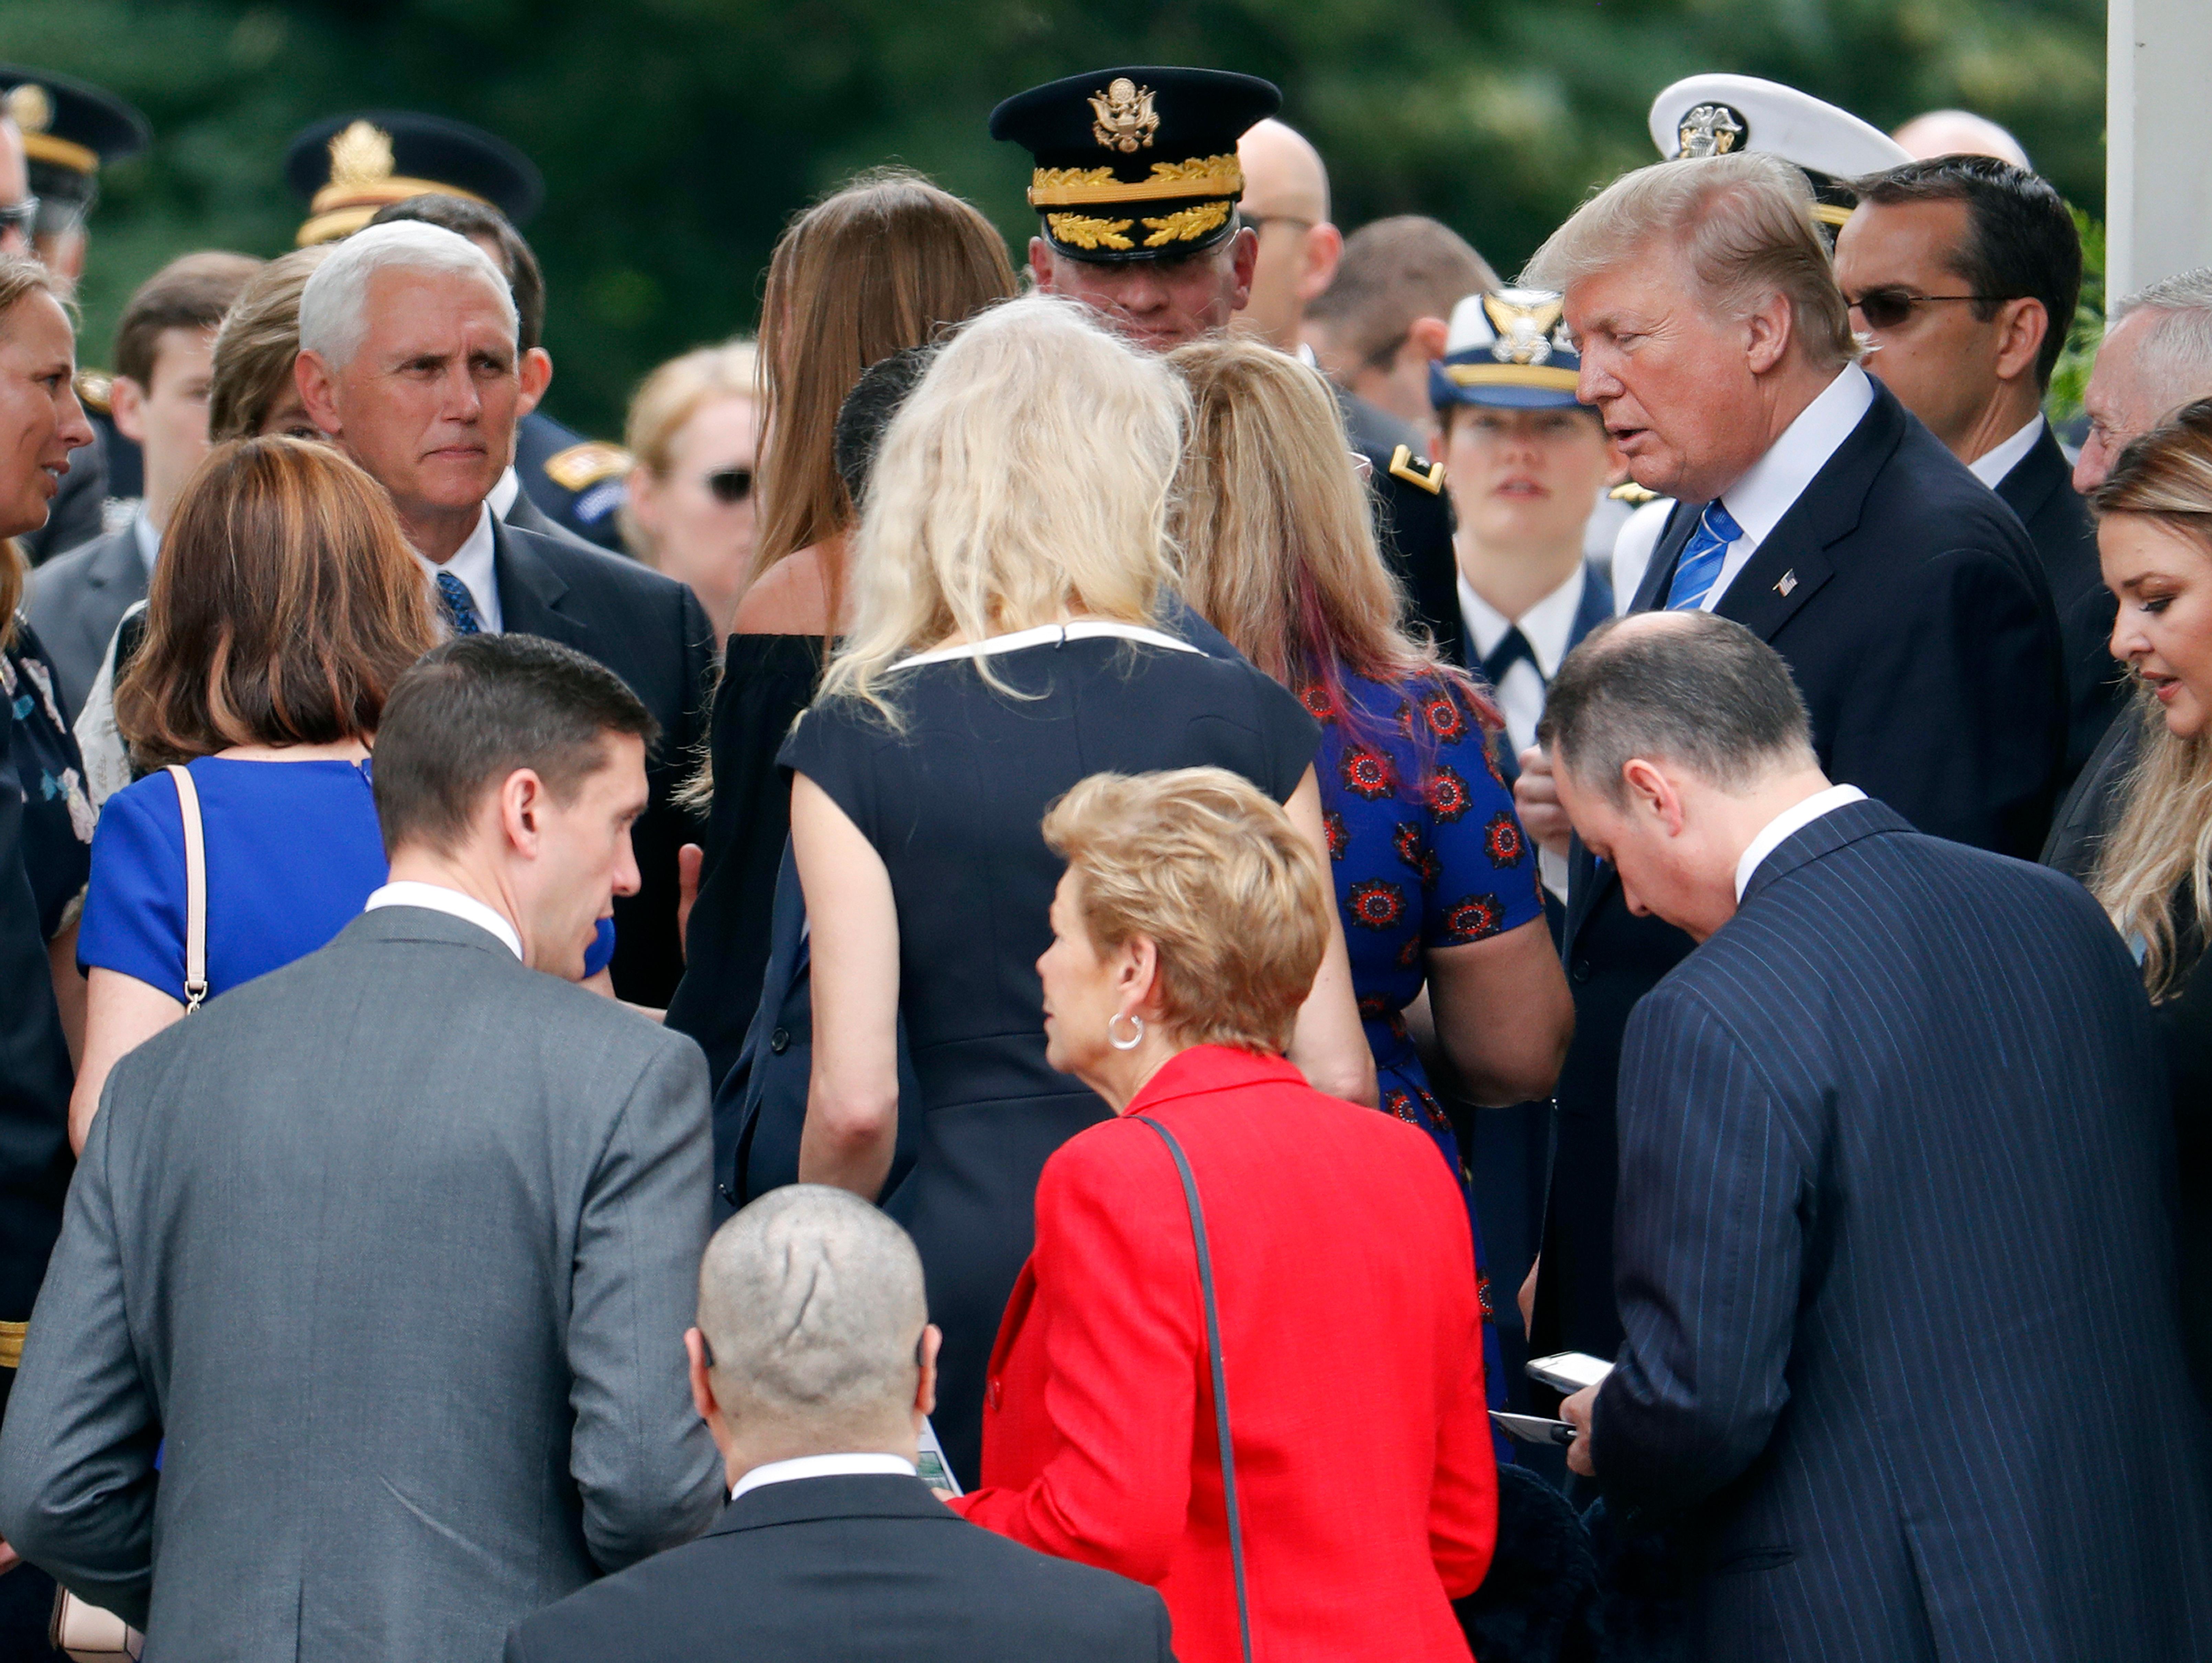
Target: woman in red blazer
(1187,930)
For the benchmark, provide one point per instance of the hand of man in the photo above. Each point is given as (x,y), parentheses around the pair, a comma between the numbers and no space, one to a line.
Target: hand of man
(1526,1299)
(689,860)
(1576,1412)
(1536,795)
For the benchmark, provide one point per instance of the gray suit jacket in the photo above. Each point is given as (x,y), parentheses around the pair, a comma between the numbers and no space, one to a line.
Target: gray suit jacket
(396,1246)
(75,600)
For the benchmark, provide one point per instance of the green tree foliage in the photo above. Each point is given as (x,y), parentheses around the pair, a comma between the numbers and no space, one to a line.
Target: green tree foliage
(678,136)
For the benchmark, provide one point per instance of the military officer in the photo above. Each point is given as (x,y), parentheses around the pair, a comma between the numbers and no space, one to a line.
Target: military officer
(1136,185)
(358,169)
(65,131)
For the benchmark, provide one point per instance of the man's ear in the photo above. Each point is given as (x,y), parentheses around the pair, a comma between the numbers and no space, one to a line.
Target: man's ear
(1041,265)
(535,375)
(1767,333)
(703,1381)
(317,383)
(1243,264)
(127,404)
(1324,251)
(1427,336)
(1651,793)
(925,1390)
(2023,326)
(521,805)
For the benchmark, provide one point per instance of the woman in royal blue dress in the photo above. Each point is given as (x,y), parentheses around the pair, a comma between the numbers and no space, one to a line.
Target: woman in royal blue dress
(286,604)
(1434,877)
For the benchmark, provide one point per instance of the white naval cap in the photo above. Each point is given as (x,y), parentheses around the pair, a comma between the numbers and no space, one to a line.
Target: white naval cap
(1711,115)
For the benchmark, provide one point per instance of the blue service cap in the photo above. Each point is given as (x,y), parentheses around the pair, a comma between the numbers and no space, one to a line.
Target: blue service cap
(1508,349)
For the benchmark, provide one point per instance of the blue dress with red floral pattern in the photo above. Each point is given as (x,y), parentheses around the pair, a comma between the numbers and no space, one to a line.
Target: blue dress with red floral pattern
(1427,853)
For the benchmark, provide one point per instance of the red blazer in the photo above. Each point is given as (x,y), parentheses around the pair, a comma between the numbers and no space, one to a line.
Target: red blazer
(1353,1345)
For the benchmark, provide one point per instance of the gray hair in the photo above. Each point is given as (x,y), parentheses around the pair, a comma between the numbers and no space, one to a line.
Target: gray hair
(1744,223)
(1692,687)
(812,1301)
(334,306)
(2174,359)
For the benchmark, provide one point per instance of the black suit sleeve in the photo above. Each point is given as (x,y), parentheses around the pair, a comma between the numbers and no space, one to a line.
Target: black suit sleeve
(1955,712)
(648,948)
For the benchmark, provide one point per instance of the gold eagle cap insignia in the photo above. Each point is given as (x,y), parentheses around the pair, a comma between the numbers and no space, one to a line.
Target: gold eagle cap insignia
(360,156)
(30,106)
(1711,130)
(1122,116)
(1524,319)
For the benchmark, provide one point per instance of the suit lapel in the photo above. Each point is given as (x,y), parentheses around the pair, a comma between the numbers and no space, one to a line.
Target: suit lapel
(2035,477)
(1659,571)
(530,592)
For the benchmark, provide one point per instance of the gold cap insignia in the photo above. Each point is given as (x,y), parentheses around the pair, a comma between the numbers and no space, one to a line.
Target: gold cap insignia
(1524,319)
(581,466)
(30,106)
(1123,118)
(360,156)
(1711,130)
(93,388)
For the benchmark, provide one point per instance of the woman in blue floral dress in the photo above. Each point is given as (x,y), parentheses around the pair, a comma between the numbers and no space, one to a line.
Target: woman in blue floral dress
(1435,881)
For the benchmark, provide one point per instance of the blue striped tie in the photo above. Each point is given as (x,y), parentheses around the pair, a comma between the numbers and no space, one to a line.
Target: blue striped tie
(1702,557)
(459,605)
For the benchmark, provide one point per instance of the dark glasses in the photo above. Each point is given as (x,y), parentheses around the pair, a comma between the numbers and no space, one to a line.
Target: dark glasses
(1886,308)
(731,486)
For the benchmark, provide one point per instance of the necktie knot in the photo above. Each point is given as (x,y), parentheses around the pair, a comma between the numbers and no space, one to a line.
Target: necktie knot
(1512,648)
(458,605)
(1703,556)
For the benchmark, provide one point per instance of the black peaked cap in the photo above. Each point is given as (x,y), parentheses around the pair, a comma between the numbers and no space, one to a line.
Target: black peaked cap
(348,167)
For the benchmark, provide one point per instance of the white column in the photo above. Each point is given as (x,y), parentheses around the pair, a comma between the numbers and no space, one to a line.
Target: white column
(2158,157)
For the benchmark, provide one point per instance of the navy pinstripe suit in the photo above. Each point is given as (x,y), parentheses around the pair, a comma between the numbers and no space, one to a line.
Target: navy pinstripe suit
(1895,1264)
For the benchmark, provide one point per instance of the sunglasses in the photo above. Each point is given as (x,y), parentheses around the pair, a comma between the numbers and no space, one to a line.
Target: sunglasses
(21,218)
(1886,308)
(731,486)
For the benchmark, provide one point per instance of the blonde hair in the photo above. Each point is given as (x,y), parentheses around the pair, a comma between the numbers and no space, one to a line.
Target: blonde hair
(257,344)
(1025,479)
(2164,838)
(664,403)
(21,276)
(1211,871)
(885,263)
(1743,223)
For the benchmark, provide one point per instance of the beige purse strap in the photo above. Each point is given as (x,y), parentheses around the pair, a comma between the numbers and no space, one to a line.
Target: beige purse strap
(188,804)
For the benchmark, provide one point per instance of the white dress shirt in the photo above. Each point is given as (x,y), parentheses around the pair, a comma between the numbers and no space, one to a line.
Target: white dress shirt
(437,898)
(473,565)
(504,493)
(1993,465)
(1787,824)
(821,1466)
(1771,487)
(1546,626)
(149,540)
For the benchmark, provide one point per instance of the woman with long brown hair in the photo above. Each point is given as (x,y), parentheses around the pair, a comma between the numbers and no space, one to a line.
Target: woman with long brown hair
(286,604)
(2153,871)
(886,263)
(1434,877)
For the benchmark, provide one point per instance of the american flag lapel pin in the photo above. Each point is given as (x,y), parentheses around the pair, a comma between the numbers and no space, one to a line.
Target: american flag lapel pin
(1788,582)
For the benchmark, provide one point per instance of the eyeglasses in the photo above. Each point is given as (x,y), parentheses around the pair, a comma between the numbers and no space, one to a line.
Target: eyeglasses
(21,218)
(1886,308)
(731,486)
(1262,221)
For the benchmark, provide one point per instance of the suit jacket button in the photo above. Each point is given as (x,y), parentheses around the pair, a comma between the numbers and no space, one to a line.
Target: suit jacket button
(780,1041)
(1580,973)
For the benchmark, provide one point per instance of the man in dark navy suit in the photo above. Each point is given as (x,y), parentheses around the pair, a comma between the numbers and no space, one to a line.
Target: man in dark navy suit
(1903,1368)
(408,361)
(814,1365)
(1815,510)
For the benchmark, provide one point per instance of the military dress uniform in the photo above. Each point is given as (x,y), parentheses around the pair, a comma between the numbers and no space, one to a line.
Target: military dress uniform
(70,130)
(350,166)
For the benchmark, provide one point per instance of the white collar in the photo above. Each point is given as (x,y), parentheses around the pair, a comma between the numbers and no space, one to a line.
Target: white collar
(1546,625)
(1993,465)
(149,540)
(821,1466)
(504,493)
(1787,824)
(476,565)
(437,898)
(1769,486)
(1081,629)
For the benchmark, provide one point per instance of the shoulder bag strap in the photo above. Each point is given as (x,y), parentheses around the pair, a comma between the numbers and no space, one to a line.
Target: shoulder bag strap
(188,804)
(1220,1384)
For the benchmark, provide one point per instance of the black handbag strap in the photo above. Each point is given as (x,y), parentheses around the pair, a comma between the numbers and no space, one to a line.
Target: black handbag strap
(1220,1383)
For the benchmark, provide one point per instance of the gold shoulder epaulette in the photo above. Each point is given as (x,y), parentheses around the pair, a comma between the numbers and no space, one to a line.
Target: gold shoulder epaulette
(581,466)
(1632,494)
(1428,476)
(92,389)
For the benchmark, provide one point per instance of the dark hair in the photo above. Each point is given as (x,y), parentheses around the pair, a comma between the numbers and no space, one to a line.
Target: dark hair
(481,223)
(1395,273)
(285,606)
(868,408)
(1699,689)
(2021,239)
(473,710)
(191,292)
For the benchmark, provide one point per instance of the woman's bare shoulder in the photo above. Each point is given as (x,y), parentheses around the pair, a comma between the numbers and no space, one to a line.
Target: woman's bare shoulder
(791,597)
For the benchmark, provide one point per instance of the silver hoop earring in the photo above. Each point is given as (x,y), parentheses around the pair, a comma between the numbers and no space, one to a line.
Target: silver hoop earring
(1133,1040)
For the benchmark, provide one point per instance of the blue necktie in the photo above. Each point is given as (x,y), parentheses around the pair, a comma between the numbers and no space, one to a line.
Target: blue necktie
(1512,648)
(1699,568)
(460,608)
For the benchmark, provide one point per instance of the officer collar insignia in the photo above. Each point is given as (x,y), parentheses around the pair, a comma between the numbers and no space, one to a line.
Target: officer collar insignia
(360,156)
(1712,130)
(1122,116)
(1526,320)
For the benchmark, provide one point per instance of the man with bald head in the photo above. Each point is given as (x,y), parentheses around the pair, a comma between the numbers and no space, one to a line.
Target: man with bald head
(1958,133)
(1286,202)
(1885,1135)
(814,1365)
